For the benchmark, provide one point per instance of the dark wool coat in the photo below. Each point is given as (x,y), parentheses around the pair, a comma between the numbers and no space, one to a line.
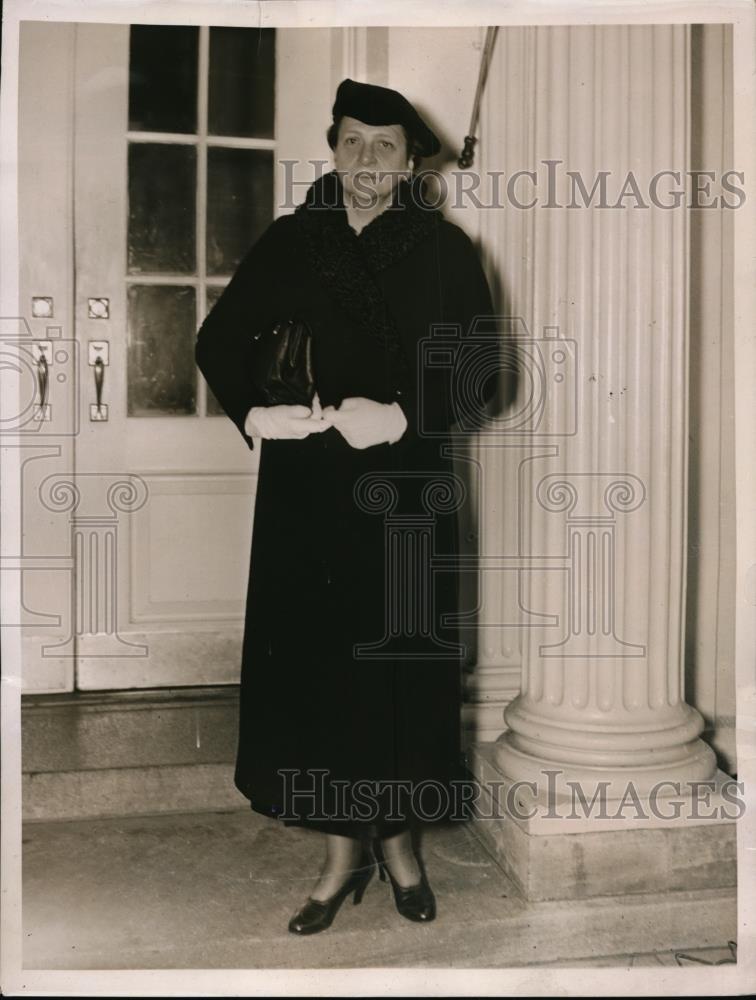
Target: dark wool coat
(348,668)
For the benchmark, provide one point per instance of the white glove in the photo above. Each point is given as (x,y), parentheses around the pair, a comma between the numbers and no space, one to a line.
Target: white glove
(286,421)
(365,422)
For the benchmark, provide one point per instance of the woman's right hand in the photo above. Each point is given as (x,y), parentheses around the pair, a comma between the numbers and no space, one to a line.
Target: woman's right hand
(285,421)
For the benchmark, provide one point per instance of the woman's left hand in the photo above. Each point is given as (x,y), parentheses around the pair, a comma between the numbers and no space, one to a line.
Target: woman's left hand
(364,422)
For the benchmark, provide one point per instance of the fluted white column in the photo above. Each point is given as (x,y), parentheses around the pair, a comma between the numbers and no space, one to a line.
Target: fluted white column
(495,680)
(604,508)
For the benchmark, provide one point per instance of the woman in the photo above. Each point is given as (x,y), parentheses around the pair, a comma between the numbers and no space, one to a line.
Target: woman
(335,696)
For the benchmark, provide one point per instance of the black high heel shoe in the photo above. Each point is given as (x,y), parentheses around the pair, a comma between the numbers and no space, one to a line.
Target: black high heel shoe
(316,915)
(416,902)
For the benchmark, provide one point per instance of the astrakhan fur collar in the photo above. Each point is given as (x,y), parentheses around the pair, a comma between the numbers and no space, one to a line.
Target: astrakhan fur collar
(348,263)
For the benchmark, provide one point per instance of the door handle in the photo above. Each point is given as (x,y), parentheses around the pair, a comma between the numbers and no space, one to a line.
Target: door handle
(99,358)
(99,375)
(43,379)
(42,354)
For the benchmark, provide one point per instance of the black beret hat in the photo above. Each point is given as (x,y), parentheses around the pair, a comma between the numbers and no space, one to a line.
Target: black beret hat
(375,105)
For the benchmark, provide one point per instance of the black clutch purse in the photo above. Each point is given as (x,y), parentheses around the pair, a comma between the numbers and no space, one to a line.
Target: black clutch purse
(282,369)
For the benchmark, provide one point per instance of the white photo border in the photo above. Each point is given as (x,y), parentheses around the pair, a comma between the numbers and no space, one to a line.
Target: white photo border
(725,979)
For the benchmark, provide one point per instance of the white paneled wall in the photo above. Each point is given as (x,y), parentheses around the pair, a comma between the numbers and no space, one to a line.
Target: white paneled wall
(303,110)
(437,69)
(710,632)
(45,218)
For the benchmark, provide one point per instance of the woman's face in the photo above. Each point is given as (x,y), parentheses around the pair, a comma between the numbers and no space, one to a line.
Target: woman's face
(370,159)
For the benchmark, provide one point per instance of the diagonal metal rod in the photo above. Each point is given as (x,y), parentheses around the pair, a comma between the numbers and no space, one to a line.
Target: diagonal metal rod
(467,155)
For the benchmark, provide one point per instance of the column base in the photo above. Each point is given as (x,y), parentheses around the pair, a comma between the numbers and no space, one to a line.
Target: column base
(554,848)
(556,753)
(481,721)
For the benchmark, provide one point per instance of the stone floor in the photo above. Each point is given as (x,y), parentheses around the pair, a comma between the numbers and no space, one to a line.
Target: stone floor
(216,890)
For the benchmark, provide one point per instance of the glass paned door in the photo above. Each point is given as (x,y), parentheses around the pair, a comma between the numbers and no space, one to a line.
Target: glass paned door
(173,184)
(163,75)
(161,370)
(239,202)
(162,208)
(240,92)
(200,191)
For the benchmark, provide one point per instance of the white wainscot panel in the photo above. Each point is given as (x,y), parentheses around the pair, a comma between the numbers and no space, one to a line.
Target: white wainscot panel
(190,546)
